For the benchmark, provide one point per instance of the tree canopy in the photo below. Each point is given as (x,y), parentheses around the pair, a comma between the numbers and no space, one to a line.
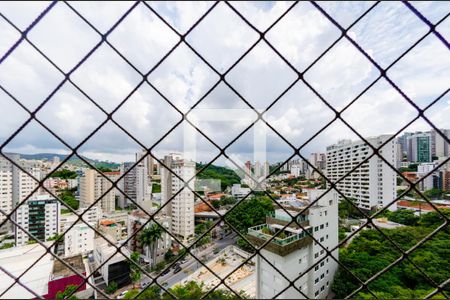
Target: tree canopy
(226,176)
(250,212)
(64,174)
(370,252)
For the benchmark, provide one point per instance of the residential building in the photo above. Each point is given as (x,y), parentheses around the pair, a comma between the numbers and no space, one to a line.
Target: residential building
(143,180)
(114,265)
(181,207)
(419,147)
(79,239)
(127,184)
(135,222)
(373,184)
(296,170)
(318,160)
(294,251)
(93,187)
(430,179)
(15,184)
(114,231)
(239,192)
(439,146)
(40,216)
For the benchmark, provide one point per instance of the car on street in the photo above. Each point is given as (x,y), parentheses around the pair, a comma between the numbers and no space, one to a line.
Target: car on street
(144,284)
(121,295)
(178,269)
(176,265)
(165,272)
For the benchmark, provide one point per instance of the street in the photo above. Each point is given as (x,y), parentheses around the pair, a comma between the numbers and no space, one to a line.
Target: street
(191,265)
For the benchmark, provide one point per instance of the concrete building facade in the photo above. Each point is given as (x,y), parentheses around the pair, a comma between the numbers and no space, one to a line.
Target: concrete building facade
(293,251)
(40,216)
(373,184)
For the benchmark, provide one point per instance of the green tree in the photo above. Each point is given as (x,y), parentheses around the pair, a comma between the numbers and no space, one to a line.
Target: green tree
(111,288)
(64,174)
(250,212)
(226,176)
(403,216)
(69,290)
(149,237)
(151,292)
(135,274)
(370,252)
(69,199)
(156,188)
(6,246)
(193,290)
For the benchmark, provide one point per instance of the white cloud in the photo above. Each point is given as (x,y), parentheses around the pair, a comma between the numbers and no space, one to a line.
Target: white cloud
(183,78)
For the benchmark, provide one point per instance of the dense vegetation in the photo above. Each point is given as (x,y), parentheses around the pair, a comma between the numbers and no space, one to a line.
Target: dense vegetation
(70,289)
(156,188)
(223,202)
(370,252)
(410,168)
(64,174)
(226,176)
(69,199)
(249,212)
(189,290)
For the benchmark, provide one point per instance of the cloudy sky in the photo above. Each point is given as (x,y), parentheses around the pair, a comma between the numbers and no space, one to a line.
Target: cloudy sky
(142,39)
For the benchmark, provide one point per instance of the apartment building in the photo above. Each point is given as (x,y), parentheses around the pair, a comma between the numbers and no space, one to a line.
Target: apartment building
(181,207)
(135,222)
(293,251)
(15,184)
(127,184)
(373,184)
(419,147)
(40,216)
(93,185)
(79,239)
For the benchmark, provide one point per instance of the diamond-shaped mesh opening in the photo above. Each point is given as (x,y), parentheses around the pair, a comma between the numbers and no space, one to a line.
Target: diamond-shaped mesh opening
(148,79)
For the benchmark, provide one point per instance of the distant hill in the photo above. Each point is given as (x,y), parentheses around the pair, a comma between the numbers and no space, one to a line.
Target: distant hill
(73,160)
(226,176)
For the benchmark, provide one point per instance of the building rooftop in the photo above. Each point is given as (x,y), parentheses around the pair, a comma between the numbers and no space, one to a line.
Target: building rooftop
(16,260)
(60,270)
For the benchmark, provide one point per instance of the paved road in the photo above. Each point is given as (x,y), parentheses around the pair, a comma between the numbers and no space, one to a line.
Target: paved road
(192,264)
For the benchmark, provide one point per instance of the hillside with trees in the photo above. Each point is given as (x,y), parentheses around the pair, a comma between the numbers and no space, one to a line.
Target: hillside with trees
(370,252)
(226,176)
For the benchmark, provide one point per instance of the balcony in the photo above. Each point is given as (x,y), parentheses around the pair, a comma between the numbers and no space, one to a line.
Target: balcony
(287,243)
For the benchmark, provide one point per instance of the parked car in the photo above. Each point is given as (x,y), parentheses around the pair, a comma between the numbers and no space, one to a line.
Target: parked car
(176,265)
(144,284)
(178,269)
(165,272)
(121,295)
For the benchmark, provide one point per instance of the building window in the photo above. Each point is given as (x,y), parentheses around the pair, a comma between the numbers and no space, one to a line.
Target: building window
(316,268)
(316,281)
(316,228)
(316,293)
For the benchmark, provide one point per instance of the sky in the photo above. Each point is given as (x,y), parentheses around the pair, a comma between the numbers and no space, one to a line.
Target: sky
(173,86)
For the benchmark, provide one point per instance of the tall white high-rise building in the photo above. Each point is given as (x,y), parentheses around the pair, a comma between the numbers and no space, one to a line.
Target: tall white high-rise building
(181,207)
(143,180)
(294,251)
(373,184)
(16,185)
(93,185)
(40,216)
